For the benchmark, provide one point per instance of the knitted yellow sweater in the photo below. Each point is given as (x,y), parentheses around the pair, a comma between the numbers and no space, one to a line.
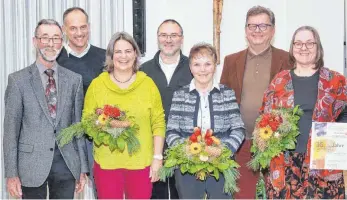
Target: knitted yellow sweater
(141,100)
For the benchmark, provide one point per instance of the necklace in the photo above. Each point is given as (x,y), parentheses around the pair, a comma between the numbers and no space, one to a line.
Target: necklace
(122,81)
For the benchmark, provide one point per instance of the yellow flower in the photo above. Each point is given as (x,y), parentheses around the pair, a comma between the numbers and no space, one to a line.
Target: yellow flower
(102,119)
(265,133)
(195,148)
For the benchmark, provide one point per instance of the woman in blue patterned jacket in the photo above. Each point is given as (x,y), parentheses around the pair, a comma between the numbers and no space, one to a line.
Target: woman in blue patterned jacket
(206,104)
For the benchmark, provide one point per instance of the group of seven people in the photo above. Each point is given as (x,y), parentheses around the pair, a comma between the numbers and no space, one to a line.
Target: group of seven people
(168,96)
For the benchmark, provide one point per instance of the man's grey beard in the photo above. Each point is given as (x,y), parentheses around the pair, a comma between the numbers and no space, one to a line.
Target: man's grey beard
(46,58)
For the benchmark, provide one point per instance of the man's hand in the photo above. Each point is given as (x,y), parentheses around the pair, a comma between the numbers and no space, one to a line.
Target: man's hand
(14,187)
(155,166)
(80,184)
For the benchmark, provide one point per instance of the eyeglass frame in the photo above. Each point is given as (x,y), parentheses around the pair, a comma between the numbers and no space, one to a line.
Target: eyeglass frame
(304,43)
(165,36)
(257,26)
(49,39)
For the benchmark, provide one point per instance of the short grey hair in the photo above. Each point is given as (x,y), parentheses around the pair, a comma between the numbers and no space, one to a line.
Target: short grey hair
(109,66)
(319,61)
(47,22)
(257,10)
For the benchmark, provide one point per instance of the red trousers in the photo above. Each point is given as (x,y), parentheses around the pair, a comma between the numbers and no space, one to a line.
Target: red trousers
(113,184)
(249,178)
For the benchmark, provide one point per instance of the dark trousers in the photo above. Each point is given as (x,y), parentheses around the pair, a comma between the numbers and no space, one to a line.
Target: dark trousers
(89,144)
(248,179)
(189,187)
(161,189)
(60,181)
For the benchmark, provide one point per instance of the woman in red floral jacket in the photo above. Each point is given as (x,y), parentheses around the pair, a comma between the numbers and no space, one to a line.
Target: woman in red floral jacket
(322,94)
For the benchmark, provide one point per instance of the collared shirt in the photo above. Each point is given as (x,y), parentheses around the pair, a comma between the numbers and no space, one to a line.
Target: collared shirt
(256,79)
(43,75)
(72,52)
(168,69)
(204,115)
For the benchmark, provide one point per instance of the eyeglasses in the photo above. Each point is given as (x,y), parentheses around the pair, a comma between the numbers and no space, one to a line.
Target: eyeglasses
(55,40)
(164,36)
(308,45)
(262,27)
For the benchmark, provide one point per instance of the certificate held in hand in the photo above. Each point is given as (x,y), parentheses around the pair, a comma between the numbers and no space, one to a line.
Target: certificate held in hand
(329,146)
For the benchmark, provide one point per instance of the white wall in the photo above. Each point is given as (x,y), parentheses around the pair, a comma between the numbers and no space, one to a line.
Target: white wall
(328,18)
(196,18)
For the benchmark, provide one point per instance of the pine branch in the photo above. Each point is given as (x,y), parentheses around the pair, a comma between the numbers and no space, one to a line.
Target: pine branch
(66,135)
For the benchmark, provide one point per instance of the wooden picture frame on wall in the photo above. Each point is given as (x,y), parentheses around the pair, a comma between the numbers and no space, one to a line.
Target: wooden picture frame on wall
(217,19)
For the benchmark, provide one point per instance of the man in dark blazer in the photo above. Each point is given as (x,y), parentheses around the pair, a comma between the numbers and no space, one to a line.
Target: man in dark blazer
(249,73)
(40,101)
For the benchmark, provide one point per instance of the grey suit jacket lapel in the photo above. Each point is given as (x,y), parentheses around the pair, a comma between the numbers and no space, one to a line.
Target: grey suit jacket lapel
(36,84)
(63,88)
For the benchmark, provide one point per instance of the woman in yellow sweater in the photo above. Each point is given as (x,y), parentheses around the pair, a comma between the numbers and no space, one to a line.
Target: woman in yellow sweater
(122,84)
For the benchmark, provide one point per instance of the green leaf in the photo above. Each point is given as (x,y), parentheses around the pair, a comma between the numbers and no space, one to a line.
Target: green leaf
(170,163)
(120,144)
(107,137)
(210,168)
(290,145)
(183,169)
(216,173)
(263,163)
(200,166)
(113,146)
(296,108)
(192,169)
(253,149)
(222,166)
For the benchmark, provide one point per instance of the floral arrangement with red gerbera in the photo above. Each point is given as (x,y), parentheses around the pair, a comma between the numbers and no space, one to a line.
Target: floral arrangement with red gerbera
(109,126)
(202,155)
(274,133)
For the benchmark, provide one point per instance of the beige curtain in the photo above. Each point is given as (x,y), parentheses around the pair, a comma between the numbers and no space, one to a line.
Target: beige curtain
(18,19)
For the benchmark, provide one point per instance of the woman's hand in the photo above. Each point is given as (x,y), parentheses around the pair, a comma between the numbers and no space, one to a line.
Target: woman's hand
(154,170)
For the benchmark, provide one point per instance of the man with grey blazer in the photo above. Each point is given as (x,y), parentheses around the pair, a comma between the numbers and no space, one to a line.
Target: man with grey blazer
(40,101)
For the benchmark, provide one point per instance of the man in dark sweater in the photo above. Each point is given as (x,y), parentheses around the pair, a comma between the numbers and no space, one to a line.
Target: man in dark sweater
(81,57)
(78,55)
(169,69)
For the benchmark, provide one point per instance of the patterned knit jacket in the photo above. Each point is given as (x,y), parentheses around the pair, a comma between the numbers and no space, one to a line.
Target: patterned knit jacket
(225,116)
